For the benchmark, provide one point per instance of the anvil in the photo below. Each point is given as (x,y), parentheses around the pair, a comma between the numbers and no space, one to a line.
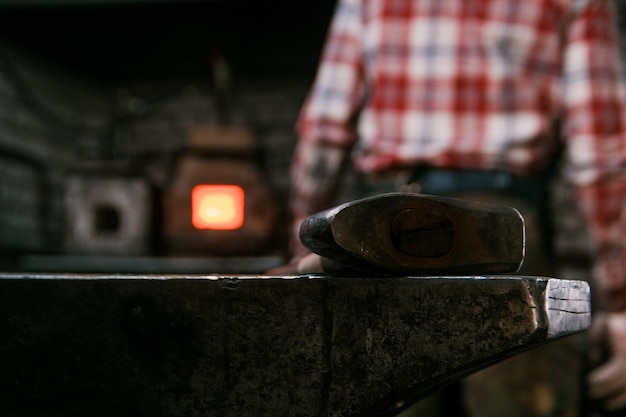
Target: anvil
(203,346)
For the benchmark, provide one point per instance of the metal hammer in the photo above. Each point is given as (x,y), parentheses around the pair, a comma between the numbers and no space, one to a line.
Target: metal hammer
(416,234)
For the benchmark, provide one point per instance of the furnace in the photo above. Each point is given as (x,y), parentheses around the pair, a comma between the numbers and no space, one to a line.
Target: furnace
(107,215)
(219,202)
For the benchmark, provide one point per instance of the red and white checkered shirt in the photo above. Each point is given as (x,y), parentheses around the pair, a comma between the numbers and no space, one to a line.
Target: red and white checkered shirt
(475,84)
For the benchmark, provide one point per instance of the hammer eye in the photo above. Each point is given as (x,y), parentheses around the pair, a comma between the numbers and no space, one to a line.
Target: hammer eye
(422,233)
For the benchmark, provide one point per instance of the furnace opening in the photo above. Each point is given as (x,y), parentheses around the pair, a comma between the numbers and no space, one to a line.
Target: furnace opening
(217,207)
(106,220)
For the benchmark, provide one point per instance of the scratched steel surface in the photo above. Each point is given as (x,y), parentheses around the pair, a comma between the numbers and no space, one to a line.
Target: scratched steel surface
(167,345)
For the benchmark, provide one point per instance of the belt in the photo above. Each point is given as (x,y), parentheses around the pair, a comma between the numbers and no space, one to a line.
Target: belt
(442,181)
(533,189)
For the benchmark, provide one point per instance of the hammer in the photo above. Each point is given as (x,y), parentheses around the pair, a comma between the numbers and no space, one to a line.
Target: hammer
(416,234)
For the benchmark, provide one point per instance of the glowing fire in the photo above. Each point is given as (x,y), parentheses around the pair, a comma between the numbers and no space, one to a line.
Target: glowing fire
(217,207)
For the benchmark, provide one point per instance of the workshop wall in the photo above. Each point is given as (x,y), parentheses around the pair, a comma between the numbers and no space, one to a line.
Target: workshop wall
(46,117)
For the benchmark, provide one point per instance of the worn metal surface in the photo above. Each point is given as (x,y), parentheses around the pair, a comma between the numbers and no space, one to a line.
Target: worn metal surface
(125,345)
(403,233)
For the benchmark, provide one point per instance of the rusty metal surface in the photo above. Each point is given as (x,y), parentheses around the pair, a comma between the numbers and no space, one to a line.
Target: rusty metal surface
(404,233)
(130,345)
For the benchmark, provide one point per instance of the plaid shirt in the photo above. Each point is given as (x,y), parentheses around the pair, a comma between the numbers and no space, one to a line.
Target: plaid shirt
(473,84)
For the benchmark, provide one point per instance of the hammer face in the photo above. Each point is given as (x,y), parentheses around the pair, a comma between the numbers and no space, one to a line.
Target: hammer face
(401,233)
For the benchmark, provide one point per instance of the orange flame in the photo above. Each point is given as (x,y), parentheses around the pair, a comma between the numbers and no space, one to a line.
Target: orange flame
(217,207)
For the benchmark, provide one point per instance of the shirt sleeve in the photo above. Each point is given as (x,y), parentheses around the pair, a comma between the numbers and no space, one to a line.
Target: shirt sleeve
(326,125)
(316,170)
(332,105)
(595,129)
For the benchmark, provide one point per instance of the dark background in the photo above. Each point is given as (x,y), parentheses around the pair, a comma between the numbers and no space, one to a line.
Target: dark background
(122,41)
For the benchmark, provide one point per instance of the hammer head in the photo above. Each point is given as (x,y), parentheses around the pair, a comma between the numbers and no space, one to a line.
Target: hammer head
(416,234)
